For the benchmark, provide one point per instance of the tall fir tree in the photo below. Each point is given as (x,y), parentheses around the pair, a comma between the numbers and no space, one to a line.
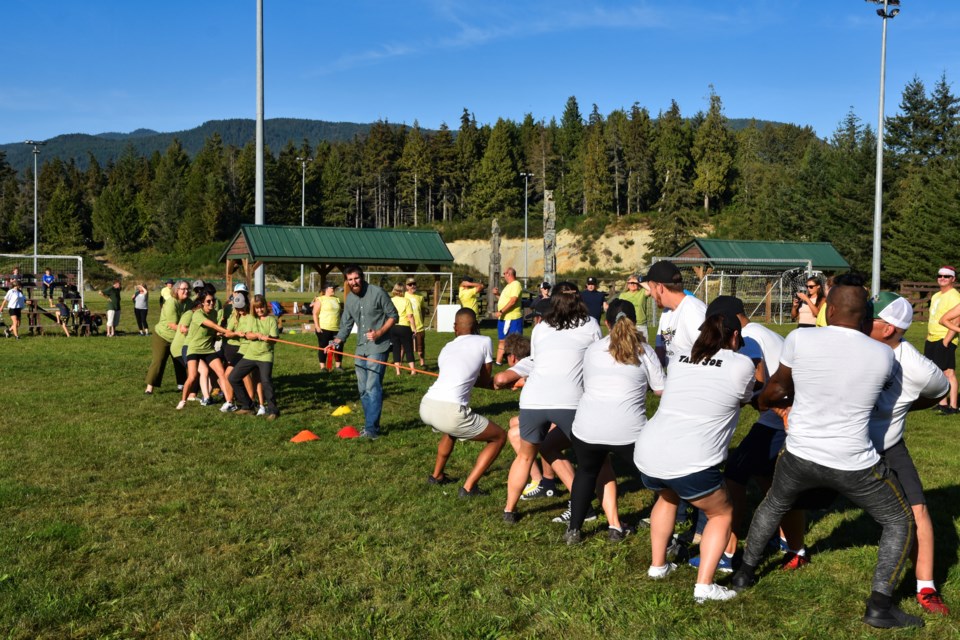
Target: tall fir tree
(496,192)
(712,155)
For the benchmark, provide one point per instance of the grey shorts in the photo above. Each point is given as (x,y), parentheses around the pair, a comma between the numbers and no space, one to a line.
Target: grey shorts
(899,461)
(535,423)
(455,420)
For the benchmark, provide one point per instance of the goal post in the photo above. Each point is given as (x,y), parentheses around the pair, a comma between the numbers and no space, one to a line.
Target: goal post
(766,285)
(67,272)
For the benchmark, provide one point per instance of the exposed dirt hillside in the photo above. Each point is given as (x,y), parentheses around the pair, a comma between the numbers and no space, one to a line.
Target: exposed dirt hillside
(622,252)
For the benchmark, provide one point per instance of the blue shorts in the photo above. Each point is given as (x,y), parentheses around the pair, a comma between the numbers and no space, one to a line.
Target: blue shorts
(506,327)
(689,487)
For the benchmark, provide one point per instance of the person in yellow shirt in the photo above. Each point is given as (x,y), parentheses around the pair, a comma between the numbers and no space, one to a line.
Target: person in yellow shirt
(509,312)
(326,323)
(942,330)
(401,333)
(419,330)
(469,294)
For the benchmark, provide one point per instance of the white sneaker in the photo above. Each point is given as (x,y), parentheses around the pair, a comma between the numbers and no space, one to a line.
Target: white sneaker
(262,411)
(713,591)
(228,407)
(181,405)
(658,573)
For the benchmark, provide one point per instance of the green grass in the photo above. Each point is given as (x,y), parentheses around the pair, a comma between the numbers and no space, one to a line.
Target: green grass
(123,518)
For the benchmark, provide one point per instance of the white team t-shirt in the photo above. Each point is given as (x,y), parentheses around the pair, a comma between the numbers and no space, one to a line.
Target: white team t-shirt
(838,374)
(612,409)
(523,367)
(556,381)
(460,362)
(697,416)
(914,376)
(771,344)
(680,328)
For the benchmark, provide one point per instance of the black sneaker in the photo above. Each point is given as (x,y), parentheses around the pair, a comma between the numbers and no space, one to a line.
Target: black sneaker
(564,518)
(892,618)
(619,535)
(949,411)
(444,479)
(572,537)
(539,492)
(742,580)
(476,492)
(511,517)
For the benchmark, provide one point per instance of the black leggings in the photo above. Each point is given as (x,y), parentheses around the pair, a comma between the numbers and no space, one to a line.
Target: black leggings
(402,338)
(141,319)
(590,459)
(265,370)
(323,339)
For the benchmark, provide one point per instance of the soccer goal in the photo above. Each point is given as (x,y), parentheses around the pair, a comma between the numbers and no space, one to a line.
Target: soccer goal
(766,286)
(66,273)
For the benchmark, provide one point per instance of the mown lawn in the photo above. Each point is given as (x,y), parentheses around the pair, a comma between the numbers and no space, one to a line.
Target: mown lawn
(123,518)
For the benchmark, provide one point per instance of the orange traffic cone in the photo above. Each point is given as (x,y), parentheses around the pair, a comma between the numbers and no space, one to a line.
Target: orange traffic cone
(348,432)
(305,436)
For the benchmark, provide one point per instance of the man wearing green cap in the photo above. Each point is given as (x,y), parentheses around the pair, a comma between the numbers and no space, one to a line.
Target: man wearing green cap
(918,384)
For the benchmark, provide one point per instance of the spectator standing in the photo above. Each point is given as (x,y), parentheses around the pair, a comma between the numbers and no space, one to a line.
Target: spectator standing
(594,299)
(942,329)
(418,306)
(370,309)
(509,312)
(637,296)
(140,309)
(469,294)
(807,304)
(112,294)
(326,323)
(401,333)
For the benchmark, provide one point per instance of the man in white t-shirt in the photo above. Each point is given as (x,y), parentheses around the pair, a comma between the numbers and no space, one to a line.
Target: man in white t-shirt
(918,384)
(679,328)
(464,362)
(830,379)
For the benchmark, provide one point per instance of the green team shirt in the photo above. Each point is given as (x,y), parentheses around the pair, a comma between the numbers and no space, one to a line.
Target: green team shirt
(169,314)
(200,339)
(512,290)
(176,345)
(638,299)
(232,321)
(260,350)
(246,324)
(940,303)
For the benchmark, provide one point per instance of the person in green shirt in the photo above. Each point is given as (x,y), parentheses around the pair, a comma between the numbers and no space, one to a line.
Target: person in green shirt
(257,356)
(200,340)
(112,294)
(638,298)
(163,335)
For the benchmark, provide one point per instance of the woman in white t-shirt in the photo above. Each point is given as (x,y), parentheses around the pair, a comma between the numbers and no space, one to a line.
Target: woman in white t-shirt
(617,372)
(553,389)
(680,450)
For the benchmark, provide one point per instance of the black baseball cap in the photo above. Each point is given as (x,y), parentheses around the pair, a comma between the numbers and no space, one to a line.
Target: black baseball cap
(591,280)
(664,272)
(545,285)
(729,307)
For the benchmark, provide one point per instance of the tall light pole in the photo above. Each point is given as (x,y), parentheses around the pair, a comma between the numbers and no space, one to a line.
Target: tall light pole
(878,196)
(259,284)
(526,272)
(303,202)
(36,153)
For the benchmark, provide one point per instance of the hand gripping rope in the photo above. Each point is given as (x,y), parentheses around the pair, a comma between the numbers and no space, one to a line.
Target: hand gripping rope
(351,355)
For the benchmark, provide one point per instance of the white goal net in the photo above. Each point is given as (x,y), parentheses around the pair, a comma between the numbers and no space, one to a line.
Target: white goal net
(44,278)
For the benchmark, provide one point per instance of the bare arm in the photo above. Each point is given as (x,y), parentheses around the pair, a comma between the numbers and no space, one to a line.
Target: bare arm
(779,390)
(949,320)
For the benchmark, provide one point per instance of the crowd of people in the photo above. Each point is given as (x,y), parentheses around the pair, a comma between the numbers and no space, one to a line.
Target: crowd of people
(831,405)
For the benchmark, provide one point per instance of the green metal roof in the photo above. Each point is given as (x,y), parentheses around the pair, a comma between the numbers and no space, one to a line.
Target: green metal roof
(823,255)
(277,243)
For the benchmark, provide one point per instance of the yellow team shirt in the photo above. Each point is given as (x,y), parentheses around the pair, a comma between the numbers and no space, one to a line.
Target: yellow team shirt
(403,310)
(940,303)
(330,310)
(416,304)
(470,299)
(512,290)
(822,316)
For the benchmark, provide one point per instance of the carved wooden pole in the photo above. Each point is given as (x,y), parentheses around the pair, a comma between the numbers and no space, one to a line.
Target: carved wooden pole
(549,238)
(494,268)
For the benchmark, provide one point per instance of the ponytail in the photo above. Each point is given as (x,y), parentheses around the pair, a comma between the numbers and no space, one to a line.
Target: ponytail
(626,342)
(714,335)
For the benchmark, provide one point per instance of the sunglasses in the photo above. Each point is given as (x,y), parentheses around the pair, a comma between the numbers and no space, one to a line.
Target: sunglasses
(208,302)
(812,286)
(943,277)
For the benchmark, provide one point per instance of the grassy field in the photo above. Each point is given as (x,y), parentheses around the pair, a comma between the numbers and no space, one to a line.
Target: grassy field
(123,518)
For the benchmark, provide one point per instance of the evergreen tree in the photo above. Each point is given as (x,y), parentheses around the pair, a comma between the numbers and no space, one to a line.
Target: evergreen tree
(569,146)
(443,152)
(116,214)
(713,154)
(676,219)
(61,224)
(338,187)
(165,198)
(496,192)
(469,148)
(597,186)
(638,158)
(415,172)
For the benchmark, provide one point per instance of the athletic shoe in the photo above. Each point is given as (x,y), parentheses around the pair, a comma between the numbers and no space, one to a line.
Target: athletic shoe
(538,491)
(619,535)
(208,402)
(742,580)
(676,548)
(338,369)
(713,591)
(476,492)
(892,618)
(659,573)
(181,405)
(444,479)
(272,416)
(368,435)
(724,566)
(179,387)
(262,411)
(931,601)
(564,518)
(228,407)
(511,517)
(793,561)
(572,537)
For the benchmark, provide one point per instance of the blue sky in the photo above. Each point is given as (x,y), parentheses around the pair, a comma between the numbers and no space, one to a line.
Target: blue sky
(96,66)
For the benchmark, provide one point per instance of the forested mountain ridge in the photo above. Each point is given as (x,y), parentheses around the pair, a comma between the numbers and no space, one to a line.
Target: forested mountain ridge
(107,147)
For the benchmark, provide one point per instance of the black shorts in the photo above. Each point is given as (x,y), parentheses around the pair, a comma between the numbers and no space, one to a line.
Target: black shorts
(15,313)
(944,357)
(756,455)
(231,354)
(901,464)
(206,357)
(535,423)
